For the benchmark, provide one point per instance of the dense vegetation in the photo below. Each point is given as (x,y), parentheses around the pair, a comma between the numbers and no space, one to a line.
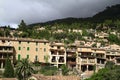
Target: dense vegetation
(48,70)
(24,69)
(9,70)
(110,72)
(107,21)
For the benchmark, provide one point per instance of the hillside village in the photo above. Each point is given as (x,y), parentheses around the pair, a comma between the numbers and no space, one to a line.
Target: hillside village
(84,46)
(82,55)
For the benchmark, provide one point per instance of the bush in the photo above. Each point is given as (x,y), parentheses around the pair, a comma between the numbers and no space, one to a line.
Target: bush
(48,70)
(9,70)
(64,69)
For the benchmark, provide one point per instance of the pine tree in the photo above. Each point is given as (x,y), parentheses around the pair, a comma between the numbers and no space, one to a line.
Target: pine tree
(9,70)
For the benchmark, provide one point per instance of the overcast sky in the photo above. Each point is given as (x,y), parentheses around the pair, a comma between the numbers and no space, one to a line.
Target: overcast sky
(33,11)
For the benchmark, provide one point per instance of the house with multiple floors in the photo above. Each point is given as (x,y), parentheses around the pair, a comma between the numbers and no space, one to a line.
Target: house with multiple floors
(57,54)
(82,57)
(6,51)
(33,49)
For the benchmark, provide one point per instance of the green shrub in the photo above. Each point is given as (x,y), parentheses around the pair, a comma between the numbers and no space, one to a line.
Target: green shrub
(48,70)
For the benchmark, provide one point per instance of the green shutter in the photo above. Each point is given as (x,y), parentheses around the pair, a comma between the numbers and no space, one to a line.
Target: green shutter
(44,49)
(19,56)
(27,56)
(19,48)
(36,49)
(28,48)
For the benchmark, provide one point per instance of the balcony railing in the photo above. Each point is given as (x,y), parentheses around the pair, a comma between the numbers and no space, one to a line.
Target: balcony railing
(103,57)
(61,53)
(6,51)
(53,53)
(91,61)
(84,61)
(87,55)
(71,62)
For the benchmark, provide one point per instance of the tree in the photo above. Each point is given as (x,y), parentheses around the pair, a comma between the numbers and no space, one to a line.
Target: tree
(7,31)
(22,26)
(109,65)
(1,33)
(107,74)
(9,70)
(46,58)
(114,39)
(64,69)
(24,69)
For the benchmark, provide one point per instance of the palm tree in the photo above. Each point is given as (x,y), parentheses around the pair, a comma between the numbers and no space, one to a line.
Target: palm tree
(24,69)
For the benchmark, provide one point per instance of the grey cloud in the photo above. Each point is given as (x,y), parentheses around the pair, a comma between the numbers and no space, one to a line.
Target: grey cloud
(32,11)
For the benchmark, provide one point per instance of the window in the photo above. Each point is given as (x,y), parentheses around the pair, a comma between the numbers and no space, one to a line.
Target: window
(36,43)
(19,48)
(19,56)
(36,49)
(44,49)
(58,47)
(28,48)
(3,41)
(19,42)
(36,58)
(28,42)
(44,43)
(27,56)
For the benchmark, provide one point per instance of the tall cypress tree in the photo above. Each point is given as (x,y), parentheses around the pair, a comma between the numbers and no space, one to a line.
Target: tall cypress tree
(22,26)
(9,70)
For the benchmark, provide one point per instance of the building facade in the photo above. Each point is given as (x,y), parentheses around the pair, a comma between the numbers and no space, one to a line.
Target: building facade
(33,49)
(82,57)
(57,54)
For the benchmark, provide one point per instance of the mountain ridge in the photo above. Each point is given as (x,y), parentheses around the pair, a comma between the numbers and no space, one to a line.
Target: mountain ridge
(112,12)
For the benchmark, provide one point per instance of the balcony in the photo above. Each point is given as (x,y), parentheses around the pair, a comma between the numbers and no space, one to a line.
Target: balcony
(93,56)
(71,62)
(71,50)
(53,53)
(91,61)
(101,57)
(71,55)
(57,49)
(88,50)
(6,58)
(84,61)
(6,51)
(61,53)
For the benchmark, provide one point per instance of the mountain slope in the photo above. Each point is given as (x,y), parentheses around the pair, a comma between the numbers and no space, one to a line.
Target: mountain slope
(112,13)
(109,12)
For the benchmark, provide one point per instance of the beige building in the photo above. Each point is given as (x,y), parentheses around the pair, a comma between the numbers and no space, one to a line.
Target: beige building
(71,54)
(57,54)
(6,51)
(33,49)
(100,58)
(113,55)
(83,58)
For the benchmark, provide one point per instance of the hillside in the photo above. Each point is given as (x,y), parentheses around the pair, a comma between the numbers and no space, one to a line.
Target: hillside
(112,13)
(70,29)
(109,12)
